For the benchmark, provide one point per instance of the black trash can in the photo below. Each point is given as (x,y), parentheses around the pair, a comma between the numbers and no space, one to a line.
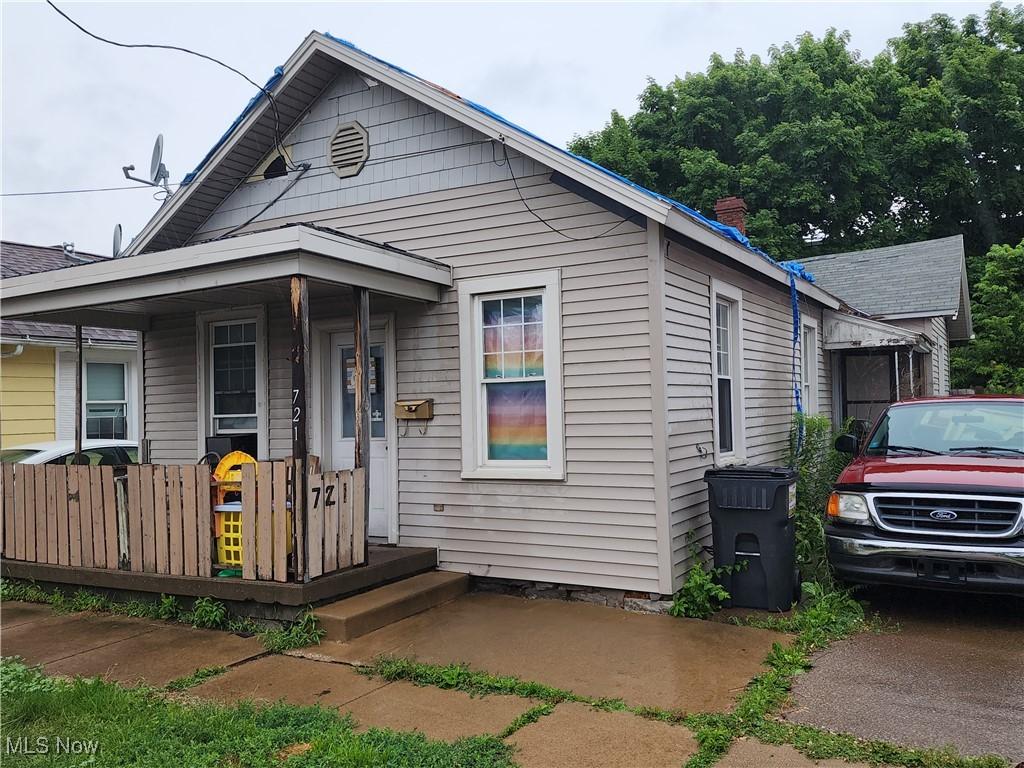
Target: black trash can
(752,521)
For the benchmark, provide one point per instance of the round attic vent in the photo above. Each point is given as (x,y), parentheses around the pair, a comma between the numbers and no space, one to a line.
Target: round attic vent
(348,149)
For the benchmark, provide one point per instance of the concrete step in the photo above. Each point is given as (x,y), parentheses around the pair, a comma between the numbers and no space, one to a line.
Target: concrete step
(357,615)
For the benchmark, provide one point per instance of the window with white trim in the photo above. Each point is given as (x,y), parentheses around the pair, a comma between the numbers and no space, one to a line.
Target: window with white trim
(233,376)
(510,338)
(809,367)
(727,364)
(106,401)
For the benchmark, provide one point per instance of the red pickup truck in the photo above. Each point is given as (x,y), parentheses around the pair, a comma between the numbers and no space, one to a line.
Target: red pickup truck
(934,497)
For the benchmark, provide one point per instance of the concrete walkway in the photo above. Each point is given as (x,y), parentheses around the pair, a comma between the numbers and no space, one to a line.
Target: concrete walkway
(696,666)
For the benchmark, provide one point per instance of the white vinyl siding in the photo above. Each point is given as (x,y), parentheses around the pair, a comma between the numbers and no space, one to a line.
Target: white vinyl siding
(689,360)
(171,366)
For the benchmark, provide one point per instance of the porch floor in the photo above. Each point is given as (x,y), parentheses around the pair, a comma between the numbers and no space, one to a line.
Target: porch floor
(385,565)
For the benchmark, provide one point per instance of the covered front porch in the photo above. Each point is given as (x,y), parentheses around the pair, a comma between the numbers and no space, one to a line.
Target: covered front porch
(278,344)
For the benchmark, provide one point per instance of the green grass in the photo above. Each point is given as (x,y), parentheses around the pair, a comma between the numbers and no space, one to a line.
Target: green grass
(201,675)
(141,727)
(205,613)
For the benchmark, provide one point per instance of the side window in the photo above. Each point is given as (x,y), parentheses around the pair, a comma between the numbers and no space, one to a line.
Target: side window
(727,370)
(809,368)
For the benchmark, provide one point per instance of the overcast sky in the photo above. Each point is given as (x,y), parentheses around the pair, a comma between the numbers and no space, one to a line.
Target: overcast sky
(76,110)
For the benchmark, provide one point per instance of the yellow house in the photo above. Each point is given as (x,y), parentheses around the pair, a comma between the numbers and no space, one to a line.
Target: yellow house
(37,365)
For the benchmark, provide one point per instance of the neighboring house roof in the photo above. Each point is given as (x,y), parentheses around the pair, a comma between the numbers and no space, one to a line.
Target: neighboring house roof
(23,259)
(923,279)
(312,68)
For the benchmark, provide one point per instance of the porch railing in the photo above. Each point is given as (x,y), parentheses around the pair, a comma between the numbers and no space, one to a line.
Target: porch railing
(160,519)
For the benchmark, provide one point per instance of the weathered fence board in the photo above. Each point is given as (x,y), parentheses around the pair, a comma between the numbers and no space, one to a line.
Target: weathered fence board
(280,545)
(204,521)
(315,502)
(264,521)
(190,540)
(134,518)
(63,521)
(110,550)
(50,478)
(7,477)
(175,552)
(249,553)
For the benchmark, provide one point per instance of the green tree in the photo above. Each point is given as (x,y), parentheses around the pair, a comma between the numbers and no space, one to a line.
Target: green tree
(994,359)
(834,152)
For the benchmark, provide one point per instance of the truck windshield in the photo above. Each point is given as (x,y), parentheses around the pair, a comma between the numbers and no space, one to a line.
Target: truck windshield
(986,427)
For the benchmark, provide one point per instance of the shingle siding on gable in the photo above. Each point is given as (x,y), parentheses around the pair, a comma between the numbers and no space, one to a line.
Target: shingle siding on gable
(451,156)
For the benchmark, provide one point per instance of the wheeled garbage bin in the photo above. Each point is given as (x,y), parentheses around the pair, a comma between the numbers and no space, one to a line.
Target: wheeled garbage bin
(752,521)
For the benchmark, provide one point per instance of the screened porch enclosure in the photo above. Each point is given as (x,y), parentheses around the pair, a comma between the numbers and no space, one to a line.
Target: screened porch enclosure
(237,353)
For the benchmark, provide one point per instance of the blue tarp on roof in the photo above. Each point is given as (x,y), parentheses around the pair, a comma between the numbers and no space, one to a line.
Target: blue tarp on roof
(726,231)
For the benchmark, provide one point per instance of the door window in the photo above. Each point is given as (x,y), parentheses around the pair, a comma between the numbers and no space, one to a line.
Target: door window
(377,393)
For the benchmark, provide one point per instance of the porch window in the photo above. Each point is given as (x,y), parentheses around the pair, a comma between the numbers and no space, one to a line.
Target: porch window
(809,367)
(233,355)
(727,365)
(106,401)
(512,377)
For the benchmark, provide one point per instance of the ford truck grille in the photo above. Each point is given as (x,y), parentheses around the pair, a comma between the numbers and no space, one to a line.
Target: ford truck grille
(948,515)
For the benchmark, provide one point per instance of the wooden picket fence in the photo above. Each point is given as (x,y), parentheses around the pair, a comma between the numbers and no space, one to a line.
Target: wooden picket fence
(159,519)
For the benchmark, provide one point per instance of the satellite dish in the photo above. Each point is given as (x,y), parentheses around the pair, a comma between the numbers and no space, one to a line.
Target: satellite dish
(158,173)
(117,240)
(156,165)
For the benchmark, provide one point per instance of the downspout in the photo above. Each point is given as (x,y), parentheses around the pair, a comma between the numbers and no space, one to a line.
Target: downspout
(16,352)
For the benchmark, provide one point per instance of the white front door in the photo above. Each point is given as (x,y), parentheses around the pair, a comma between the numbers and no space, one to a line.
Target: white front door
(343,420)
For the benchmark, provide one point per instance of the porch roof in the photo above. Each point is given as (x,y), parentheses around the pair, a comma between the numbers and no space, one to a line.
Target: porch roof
(843,331)
(235,271)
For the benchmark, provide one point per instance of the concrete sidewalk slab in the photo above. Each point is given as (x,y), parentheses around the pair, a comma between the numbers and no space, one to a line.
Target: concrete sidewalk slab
(284,678)
(583,737)
(165,653)
(438,714)
(588,649)
(953,674)
(14,614)
(751,753)
(57,637)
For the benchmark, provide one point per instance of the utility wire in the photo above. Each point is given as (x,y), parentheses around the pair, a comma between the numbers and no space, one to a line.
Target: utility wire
(180,49)
(544,221)
(254,176)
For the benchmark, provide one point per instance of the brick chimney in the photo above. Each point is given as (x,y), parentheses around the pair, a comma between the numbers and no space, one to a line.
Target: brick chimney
(732,211)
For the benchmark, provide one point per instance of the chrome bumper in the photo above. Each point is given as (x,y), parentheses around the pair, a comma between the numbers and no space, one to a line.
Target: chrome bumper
(865,547)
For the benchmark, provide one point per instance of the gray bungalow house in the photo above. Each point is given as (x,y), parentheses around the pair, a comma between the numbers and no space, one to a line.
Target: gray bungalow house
(555,354)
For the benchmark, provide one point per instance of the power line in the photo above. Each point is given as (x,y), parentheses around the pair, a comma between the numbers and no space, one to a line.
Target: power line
(373,161)
(180,49)
(544,221)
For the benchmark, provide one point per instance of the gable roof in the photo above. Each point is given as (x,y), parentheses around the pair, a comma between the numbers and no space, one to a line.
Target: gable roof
(923,279)
(311,69)
(18,259)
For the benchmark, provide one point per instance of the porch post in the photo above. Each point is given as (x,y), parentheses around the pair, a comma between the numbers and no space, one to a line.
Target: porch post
(300,364)
(361,384)
(300,406)
(78,394)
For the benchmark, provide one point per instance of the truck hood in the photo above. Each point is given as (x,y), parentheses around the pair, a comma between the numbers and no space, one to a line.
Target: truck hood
(998,473)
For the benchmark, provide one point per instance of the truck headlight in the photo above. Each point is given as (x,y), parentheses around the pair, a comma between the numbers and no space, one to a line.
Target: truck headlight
(848,508)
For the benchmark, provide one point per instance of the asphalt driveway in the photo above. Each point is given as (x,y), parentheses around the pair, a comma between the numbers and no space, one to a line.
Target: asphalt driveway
(954,674)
